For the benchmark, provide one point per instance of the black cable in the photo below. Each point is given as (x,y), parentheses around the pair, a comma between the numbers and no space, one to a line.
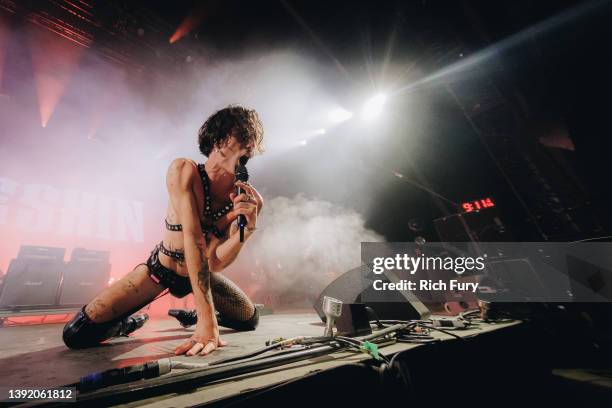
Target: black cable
(372,312)
(222,369)
(465,315)
(359,344)
(418,341)
(247,355)
(306,341)
(442,330)
(319,339)
(260,357)
(421,323)
(232,366)
(197,377)
(392,322)
(248,362)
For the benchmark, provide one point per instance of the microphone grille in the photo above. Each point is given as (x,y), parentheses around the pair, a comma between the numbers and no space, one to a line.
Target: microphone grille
(241,173)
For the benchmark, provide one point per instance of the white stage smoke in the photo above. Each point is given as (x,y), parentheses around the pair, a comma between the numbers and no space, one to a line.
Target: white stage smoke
(301,245)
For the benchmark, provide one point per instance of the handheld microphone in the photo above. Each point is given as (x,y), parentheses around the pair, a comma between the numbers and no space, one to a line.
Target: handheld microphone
(242,175)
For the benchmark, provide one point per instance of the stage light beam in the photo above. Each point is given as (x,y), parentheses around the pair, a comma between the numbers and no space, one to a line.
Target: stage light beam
(469,63)
(339,115)
(374,106)
(191,21)
(54,60)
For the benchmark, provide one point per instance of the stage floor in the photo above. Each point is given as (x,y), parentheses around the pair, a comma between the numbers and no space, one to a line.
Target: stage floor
(35,356)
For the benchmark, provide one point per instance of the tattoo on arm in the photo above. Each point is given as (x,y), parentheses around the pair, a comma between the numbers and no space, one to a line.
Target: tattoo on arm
(204,281)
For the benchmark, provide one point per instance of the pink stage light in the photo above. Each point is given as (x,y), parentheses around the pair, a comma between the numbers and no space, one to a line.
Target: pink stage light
(190,22)
(54,60)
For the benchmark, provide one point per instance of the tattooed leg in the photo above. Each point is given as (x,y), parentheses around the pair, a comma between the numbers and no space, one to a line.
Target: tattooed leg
(134,289)
(108,315)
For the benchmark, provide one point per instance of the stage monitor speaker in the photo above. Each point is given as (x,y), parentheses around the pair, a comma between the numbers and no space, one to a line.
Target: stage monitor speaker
(85,276)
(482,226)
(352,287)
(33,279)
(353,321)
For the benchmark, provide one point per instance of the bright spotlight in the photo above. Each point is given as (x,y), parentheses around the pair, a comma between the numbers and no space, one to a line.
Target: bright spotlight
(374,106)
(303,142)
(321,131)
(340,115)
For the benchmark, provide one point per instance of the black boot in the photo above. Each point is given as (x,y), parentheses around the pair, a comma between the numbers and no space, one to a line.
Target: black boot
(131,323)
(82,332)
(186,318)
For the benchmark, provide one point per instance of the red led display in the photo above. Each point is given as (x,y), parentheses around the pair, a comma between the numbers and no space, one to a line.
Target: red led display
(477,205)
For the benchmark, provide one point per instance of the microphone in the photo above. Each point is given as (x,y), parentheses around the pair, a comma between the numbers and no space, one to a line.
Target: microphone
(242,175)
(333,309)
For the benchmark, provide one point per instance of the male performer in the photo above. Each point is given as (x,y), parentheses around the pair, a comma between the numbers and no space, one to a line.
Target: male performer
(201,239)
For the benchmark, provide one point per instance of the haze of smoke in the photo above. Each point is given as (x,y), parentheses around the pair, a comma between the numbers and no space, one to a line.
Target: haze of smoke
(303,243)
(121,141)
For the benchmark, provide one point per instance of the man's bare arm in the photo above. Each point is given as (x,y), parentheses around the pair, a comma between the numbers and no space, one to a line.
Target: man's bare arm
(179,182)
(227,251)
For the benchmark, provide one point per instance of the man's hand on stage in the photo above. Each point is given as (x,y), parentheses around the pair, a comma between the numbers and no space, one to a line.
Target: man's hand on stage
(204,340)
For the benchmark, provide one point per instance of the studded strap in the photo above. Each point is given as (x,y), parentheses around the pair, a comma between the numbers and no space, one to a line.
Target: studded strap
(208,211)
(176,255)
(173,227)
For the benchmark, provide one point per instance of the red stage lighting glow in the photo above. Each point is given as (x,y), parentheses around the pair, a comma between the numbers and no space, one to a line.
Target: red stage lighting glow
(189,23)
(184,28)
(54,59)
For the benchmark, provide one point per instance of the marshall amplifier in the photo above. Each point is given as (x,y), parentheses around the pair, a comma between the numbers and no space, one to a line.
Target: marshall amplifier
(33,279)
(85,276)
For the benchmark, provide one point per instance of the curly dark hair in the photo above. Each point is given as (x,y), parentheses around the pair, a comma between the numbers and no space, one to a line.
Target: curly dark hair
(233,120)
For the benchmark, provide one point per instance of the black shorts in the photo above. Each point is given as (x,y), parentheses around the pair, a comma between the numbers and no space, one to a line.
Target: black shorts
(179,286)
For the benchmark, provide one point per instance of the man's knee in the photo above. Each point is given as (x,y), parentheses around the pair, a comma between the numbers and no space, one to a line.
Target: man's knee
(82,332)
(248,325)
(72,334)
(240,325)
(253,322)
